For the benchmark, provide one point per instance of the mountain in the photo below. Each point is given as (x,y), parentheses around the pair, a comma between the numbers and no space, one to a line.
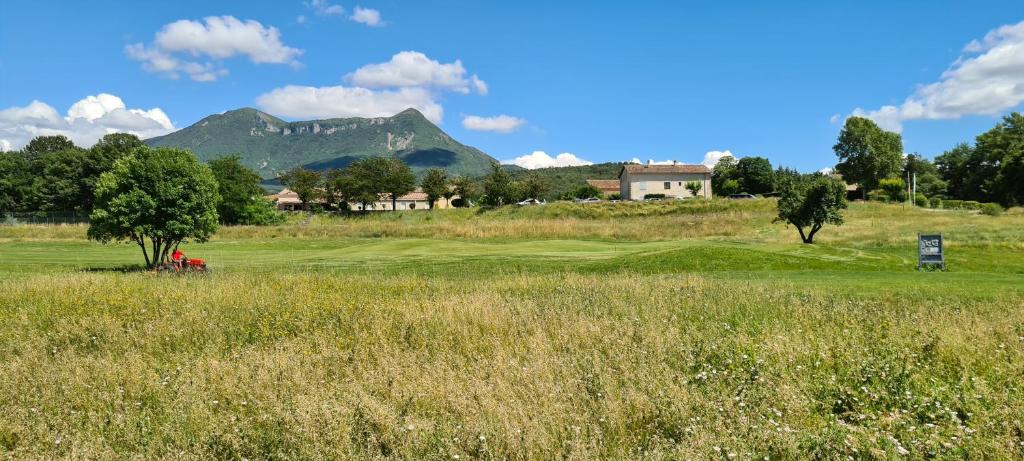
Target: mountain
(271,145)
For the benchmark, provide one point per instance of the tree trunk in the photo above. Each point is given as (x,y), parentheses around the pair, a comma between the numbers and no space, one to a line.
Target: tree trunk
(394,202)
(814,230)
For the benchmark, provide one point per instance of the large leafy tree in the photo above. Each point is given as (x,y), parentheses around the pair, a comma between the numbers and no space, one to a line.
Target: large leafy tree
(241,196)
(1002,149)
(62,181)
(499,188)
(156,198)
(534,186)
(755,175)
(398,180)
(15,181)
(964,170)
(928,181)
(465,188)
(724,176)
(307,184)
(361,181)
(810,204)
(867,153)
(435,184)
(45,145)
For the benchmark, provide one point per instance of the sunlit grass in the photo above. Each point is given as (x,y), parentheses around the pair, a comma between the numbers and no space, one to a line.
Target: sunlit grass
(635,331)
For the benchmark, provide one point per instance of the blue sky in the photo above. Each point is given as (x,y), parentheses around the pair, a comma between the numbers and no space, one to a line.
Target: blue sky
(646,80)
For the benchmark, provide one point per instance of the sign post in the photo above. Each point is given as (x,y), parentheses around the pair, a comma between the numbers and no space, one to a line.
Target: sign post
(930,250)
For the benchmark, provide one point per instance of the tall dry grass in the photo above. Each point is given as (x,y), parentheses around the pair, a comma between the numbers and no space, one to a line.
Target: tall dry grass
(110,366)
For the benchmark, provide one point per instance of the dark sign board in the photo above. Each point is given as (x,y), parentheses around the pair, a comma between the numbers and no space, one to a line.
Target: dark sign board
(929,250)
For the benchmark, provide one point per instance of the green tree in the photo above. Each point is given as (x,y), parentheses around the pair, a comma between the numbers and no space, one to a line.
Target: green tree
(755,175)
(15,181)
(435,185)
(156,198)
(694,187)
(61,182)
(534,186)
(867,154)
(895,189)
(586,191)
(362,181)
(1002,149)
(929,182)
(398,180)
(964,171)
(307,184)
(45,145)
(465,188)
(811,204)
(723,172)
(241,196)
(498,187)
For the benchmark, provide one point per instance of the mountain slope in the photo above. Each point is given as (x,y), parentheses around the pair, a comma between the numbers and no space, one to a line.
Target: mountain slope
(271,145)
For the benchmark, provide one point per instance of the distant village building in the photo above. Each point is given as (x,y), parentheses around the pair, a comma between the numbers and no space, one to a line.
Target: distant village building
(288,200)
(636,181)
(606,186)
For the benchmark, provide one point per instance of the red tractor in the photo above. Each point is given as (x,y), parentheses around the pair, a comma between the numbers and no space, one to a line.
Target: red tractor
(185,265)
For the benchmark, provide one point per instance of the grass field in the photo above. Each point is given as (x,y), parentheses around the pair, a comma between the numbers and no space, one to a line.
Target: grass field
(653,331)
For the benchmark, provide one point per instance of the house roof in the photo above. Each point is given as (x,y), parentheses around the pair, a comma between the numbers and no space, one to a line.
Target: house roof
(664,169)
(604,184)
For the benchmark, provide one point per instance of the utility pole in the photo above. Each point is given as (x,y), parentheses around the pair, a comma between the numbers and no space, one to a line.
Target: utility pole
(914,193)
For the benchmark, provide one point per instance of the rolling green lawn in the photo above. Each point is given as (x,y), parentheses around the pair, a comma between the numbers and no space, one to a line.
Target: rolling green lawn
(658,331)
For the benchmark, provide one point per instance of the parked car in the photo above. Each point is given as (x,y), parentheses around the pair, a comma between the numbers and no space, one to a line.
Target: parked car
(741,196)
(531,201)
(588,200)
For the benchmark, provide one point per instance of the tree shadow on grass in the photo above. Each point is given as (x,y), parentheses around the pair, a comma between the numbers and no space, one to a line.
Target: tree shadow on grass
(123,268)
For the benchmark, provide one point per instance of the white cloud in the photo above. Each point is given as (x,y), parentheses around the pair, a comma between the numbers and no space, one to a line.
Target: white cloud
(986,79)
(415,69)
(325,8)
(5,145)
(301,19)
(340,101)
(215,38)
(540,159)
(367,16)
(711,158)
(87,120)
(826,171)
(835,118)
(499,124)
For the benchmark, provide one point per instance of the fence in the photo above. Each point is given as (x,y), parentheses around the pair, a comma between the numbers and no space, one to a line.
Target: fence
(13,218)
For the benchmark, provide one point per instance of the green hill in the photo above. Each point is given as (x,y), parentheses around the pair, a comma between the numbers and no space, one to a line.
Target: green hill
(567,178)
(271,145)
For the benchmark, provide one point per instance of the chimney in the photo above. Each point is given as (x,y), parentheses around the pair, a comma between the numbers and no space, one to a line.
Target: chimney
(650,162)
(675,162)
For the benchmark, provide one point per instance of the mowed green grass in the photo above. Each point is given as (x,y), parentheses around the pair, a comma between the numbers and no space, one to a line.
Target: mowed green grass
(652,331)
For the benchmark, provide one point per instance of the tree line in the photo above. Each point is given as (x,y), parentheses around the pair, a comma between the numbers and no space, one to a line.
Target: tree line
(52,174)
(372,179)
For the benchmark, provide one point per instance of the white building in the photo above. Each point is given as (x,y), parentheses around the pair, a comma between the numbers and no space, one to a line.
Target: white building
(637,181)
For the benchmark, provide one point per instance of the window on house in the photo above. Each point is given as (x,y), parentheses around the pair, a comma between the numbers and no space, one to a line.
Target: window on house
(668,185)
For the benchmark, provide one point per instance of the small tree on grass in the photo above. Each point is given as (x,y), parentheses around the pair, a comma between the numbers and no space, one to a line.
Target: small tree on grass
(435,185)
(810,204)
(694,187)
(156,198)
(241,196)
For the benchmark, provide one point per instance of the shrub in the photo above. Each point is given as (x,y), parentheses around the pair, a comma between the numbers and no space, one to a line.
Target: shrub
(991,209)
(952,204)
(971,205)
(936,202)
(878,196)
(615,196)
(895,188)
(647,196)
(921,200)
